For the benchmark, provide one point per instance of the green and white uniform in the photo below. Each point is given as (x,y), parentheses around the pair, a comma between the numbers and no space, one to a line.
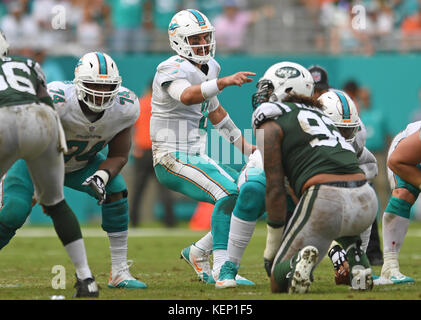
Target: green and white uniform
(30,128)
(312,145)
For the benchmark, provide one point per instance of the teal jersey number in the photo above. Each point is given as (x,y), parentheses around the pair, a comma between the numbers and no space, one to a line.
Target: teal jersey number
(58,95)
(79,153)
(203,123)
(124,97)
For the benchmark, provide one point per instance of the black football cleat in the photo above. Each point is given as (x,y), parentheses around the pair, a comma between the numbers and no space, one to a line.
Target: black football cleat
(86,288)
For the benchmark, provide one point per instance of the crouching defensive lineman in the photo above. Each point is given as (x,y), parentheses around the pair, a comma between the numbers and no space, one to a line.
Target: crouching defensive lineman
(95,111)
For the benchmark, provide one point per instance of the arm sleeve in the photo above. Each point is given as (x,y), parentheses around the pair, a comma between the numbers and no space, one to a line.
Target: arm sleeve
(176,88)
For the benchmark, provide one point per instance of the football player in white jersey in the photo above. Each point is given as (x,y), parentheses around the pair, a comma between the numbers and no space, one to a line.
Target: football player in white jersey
(403,170)
(342,110)
(95,111)
(185,89)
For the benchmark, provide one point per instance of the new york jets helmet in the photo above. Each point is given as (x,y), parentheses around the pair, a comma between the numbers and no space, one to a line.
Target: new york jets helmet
(95,70)
(187,23)
(4,45)
(339,107)
(281,79)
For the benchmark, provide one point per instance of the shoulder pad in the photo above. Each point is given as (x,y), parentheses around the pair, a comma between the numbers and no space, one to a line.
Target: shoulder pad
(265,111)
(57,91)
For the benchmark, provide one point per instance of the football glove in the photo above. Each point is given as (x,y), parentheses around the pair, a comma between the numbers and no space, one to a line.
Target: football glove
(97,184)
(340,263)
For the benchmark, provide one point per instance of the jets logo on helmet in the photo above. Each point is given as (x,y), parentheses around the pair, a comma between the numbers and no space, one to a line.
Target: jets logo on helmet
(342,110)
(287,72)
(97,80)
(185,24)
(282,79)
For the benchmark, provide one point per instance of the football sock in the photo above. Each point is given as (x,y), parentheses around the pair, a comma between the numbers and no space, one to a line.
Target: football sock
(219,258)
(240,234)
(394,231)
(205,243)
(365,238)
(77,253)
(118,247)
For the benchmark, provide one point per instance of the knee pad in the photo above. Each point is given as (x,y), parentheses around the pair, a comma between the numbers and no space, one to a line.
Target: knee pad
(115,216)
(250,204)
(399,207)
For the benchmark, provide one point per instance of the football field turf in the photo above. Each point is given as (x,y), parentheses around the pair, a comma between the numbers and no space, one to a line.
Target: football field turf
(26,266)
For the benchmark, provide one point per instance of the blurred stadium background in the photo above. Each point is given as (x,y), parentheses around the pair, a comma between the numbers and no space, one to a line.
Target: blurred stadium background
(370,48)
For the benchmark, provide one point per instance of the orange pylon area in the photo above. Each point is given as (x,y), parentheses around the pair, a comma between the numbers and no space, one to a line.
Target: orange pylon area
(201,219)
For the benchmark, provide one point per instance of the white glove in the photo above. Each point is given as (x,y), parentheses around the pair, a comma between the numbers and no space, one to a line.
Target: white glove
(97,182)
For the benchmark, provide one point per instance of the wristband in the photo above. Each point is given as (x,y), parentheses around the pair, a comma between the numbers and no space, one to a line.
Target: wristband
(227,129)
(275,224)
(209,89)
(104,174)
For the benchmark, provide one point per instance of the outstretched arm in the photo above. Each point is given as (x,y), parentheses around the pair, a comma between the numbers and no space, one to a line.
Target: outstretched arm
(200,92)
(405,157)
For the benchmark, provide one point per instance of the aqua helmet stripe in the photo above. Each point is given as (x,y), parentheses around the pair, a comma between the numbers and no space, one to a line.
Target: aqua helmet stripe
(102,63)
(198,16)
(345,105)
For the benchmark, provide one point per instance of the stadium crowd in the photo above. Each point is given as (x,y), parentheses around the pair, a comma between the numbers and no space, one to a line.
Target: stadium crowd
(132,26)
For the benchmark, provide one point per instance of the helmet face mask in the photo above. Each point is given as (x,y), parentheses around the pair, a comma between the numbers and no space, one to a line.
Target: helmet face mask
(97,81)
(186,29)
(342,110)
(282,79)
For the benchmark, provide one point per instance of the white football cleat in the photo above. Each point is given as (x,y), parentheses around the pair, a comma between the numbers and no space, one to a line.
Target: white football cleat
(120,277)
(198,259)
(303,264)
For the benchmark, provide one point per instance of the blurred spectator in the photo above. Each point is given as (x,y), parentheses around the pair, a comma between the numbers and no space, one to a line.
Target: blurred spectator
(19,28)
(211,9)
(337,18)
(411,32)
(89,33)
(351,88)
(163,11)
(143,165)
(403,9)
(232,25)
(52,69)
(377,141)
(130,26)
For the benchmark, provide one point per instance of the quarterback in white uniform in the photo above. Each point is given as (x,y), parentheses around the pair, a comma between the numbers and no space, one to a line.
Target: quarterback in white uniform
(185,89)
(396,217)
(95,111)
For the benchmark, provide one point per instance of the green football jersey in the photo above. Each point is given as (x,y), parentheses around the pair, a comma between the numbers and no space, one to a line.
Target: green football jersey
(311,143)
(20,79)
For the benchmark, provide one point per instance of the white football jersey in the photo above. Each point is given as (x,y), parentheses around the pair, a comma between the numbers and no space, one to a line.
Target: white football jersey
(175,126)
(85,138)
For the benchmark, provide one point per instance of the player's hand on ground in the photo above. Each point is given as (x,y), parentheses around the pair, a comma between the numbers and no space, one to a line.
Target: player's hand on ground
(237,79)
(268,266)
(97,185)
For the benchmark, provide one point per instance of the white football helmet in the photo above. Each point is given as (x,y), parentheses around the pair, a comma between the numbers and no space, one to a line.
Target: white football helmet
(281,79)
(4,45)
(96,69)
(339,107)
(185,24)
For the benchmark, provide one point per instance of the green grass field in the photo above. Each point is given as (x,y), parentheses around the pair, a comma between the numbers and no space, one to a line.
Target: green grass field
(27,262)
